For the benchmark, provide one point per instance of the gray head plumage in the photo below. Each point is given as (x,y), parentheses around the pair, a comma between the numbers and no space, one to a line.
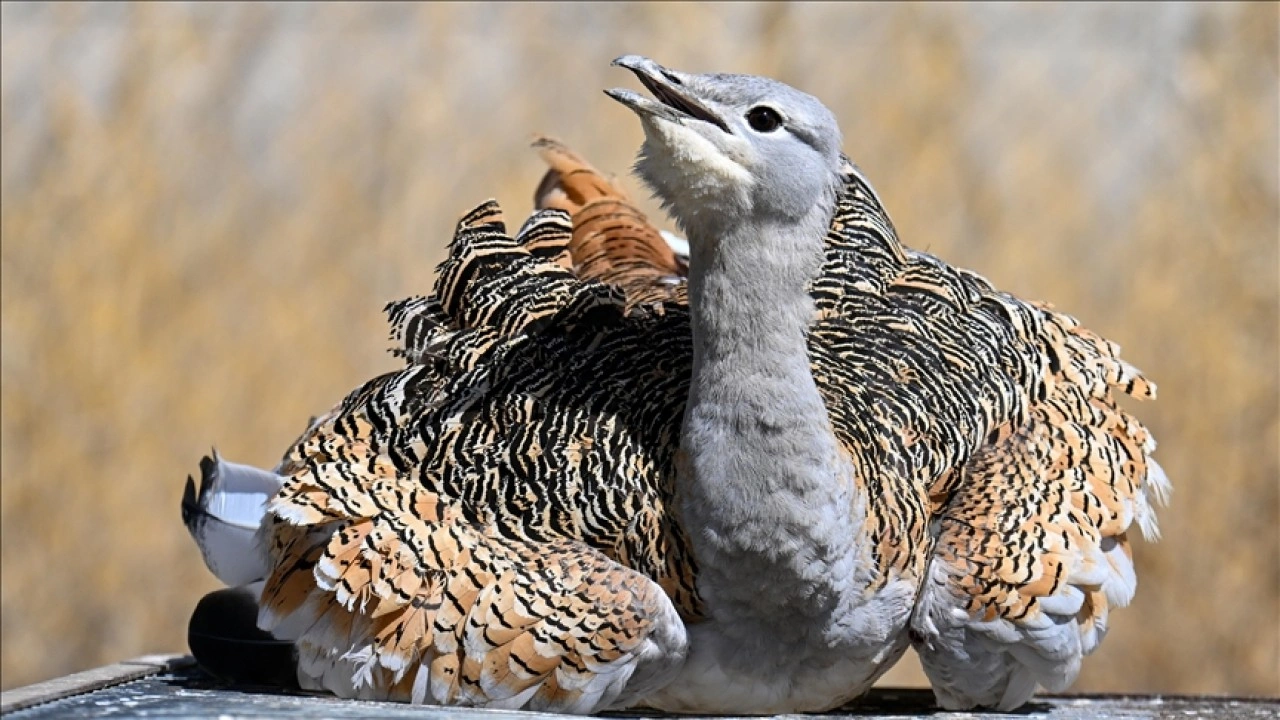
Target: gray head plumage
(721,145)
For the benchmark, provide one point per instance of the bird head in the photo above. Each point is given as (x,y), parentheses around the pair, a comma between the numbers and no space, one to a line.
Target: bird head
(741,146)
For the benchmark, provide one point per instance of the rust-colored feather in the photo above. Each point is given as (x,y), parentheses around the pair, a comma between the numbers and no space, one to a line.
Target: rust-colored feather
(613,241)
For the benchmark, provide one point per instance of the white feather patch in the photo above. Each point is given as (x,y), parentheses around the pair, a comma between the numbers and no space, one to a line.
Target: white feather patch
(224,518)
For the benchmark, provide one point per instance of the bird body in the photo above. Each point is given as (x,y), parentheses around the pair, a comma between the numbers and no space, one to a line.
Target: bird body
(592,486)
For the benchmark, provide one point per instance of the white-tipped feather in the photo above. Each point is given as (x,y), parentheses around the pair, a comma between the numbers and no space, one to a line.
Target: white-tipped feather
(1066,603)
(1155,491)
(678,245)
(224,516)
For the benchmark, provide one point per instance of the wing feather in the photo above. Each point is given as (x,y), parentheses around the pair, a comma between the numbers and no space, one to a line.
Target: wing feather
(401,568)
(1033,544)
(1001,469)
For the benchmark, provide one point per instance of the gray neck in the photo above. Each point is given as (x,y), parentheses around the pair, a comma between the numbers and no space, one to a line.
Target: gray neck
(766,493)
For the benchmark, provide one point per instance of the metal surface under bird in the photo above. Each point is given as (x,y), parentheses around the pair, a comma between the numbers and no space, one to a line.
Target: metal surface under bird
(746,484)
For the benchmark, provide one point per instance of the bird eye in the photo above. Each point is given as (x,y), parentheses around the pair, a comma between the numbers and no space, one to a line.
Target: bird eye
(763,118)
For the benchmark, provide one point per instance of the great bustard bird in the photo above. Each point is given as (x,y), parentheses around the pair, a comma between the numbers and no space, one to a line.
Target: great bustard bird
(576,496)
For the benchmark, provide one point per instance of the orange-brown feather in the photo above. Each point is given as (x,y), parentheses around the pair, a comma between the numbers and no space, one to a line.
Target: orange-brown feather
(613,241)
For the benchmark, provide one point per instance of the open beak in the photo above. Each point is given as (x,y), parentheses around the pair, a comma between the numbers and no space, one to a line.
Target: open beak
(672,99)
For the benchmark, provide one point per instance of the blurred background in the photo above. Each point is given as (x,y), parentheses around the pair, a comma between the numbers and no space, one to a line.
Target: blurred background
(205,208)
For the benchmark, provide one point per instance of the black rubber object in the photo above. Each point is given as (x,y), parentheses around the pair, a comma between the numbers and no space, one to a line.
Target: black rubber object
(224,638)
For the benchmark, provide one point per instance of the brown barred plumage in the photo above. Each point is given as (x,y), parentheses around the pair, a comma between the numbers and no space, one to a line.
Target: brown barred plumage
(595,483)
(483,521)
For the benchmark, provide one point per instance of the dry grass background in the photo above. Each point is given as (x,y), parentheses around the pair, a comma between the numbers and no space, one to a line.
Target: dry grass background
(205,207)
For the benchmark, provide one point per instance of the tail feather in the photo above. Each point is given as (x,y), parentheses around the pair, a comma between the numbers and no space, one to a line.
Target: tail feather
(224,515)
(613,242)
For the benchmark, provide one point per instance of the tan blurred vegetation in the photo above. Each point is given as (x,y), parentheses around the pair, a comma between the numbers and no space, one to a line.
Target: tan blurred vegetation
(206,206)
